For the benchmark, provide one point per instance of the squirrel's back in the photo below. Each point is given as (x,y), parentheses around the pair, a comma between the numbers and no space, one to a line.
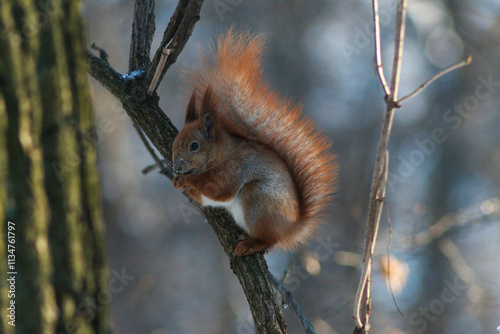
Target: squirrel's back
(251,109)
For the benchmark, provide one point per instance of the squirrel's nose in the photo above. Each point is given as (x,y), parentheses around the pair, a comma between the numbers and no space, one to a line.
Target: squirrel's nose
(178,165)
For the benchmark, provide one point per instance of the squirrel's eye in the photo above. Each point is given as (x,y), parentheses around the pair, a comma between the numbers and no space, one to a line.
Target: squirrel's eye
(194,146)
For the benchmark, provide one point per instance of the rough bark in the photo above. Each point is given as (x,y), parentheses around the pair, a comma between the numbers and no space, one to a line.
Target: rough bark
(142,34)
(49,183)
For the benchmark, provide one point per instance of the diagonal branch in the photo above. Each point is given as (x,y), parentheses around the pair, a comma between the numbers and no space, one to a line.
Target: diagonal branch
(378,54)
(166,170)
(159,69)
(176,34)
(290,300)
(143,29)
(435,77)
(105,74)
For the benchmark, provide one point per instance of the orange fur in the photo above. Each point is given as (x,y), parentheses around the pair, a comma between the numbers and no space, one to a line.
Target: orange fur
(250,109)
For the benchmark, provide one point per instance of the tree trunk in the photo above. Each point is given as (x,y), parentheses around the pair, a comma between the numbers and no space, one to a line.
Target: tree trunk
(49,198)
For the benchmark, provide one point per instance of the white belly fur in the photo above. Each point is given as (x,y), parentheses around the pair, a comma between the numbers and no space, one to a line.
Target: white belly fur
(234,206)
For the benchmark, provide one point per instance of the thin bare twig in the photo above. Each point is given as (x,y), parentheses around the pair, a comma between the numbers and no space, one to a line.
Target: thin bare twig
(389,225)
(164,169)
(363,294)
(489,208)
(362,303)
(378,54)
(288,299)
(398,50)
(149,169)
(288,268)
(159,69)
(434,78)
(102,53)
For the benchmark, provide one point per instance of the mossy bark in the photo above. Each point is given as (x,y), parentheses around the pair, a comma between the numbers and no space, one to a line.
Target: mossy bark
(49,184)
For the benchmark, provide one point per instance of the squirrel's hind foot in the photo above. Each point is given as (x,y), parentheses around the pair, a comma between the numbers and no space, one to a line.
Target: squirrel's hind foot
(249,245)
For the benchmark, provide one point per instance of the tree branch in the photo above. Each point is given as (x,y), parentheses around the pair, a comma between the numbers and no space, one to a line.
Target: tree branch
(102,53)
(362,303)
(290,300)
(166,170)
(143,29)
(398,51)
(105,74)
(176,34)
(435,77)
(161,65)
(488,209)
(377,59)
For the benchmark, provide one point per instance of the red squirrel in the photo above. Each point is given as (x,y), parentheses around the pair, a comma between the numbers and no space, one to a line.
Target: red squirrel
(250,151)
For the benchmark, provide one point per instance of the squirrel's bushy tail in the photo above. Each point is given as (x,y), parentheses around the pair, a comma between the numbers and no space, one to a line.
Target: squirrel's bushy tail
(253,110)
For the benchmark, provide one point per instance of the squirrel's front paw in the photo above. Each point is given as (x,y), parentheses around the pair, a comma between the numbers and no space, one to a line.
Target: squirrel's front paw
(180,183)
(175,181)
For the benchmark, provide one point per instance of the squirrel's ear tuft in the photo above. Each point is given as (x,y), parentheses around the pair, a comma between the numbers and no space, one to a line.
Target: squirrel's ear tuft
(208,109)
(208,126)
(191,114)
(208,103)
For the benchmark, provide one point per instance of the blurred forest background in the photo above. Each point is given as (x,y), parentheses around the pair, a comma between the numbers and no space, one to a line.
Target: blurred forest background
(443,185)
